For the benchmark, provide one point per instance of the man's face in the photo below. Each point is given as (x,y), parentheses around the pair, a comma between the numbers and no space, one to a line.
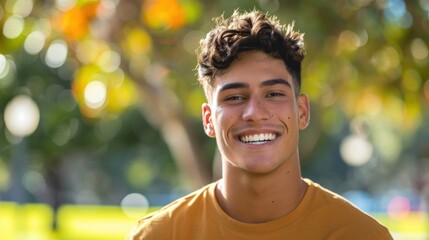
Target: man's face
(254,114)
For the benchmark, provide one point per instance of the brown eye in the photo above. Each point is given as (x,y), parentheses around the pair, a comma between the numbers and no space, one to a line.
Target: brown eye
(234,98)
(275,94)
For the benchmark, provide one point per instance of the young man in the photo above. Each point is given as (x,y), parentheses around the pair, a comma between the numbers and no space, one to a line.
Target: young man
(249,66)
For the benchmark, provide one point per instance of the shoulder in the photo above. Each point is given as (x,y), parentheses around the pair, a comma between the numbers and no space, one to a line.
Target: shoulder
(342,215)
(182,205)
(324,197)
(159,224)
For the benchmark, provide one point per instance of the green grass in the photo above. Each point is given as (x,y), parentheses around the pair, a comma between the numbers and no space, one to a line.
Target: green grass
(412,226)
(34,221)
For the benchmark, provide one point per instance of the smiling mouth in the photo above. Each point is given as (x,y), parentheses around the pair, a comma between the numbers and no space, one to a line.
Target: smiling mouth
(260,138)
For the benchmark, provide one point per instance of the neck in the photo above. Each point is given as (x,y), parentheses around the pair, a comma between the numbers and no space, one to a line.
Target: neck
(257,198)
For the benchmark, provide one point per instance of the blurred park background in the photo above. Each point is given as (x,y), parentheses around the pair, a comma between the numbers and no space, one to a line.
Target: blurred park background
(100,109)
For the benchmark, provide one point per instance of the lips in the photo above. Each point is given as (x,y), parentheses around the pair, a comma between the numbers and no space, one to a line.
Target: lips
(259,138)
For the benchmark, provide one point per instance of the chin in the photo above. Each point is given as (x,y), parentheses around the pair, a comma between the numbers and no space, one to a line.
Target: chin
(260,168)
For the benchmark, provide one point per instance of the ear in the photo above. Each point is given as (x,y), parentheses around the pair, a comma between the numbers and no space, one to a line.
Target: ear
(207,120)
(304,111)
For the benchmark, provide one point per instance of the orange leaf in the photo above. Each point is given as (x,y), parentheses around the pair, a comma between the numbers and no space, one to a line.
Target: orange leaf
(164,14)
(74,23)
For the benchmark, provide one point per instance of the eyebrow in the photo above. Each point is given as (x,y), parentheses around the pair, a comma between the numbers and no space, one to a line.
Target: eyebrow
(272,82)
(265,83)
(233,86)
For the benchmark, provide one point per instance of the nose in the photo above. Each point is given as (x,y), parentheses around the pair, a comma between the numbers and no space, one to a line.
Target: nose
(254,110)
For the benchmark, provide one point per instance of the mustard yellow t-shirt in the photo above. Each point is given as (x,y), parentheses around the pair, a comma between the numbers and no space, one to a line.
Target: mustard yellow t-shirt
(321,214)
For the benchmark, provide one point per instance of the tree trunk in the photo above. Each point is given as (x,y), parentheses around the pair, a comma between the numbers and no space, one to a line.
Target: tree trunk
(161,109)
(165,114)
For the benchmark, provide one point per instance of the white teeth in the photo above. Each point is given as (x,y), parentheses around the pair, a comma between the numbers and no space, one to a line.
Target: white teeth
(258,138)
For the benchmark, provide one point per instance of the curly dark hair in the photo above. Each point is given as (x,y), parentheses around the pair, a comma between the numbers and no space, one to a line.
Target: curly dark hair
(245,32)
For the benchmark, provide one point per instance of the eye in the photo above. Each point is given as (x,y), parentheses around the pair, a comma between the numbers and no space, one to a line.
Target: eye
(234,98)
(275,94)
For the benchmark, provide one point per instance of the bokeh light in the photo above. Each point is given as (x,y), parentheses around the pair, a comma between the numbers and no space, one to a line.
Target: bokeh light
(349,40)
(22,8)
(21,116)
(139,173)
(109,61)
(65,5)
(355,150)
(396,12)
(57,54)
(98,92)
(395,9)
(135,205)
(163,14)
(169,14)
(106,9)
(136,42)
(13,27)
(386,59)
(87,51)
(419,49)
(425,5)
(399,207)
(74,20)
(4,67)
(34,182)
(387,142)
(95,94)
(7,71)
(34,42)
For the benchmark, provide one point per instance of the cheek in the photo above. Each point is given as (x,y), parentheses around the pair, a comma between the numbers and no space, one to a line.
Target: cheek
(224,121)
(289,118)
(220,121)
